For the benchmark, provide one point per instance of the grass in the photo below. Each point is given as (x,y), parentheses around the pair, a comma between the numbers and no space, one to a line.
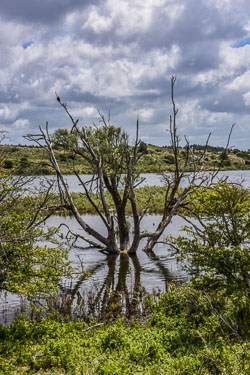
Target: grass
(34,160)
(155,206)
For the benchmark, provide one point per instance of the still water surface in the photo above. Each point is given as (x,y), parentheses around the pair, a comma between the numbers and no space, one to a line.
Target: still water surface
(150,179)
(151,271)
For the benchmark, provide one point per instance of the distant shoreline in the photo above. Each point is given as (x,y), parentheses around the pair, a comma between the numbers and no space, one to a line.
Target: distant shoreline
(28,160)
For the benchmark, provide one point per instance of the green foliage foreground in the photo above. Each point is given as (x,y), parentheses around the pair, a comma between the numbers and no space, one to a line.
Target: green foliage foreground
(201,327)
(216,244)
(32,261)
(186,332)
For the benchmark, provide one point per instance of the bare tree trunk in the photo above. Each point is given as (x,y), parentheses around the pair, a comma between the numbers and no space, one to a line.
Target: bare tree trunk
(95,145)
(123,228)
(120,206)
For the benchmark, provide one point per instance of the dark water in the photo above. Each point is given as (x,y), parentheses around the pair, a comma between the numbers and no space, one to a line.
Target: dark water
(153,269)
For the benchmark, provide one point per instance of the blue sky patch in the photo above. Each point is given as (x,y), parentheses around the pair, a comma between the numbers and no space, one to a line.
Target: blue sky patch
(27,44)
(242,43)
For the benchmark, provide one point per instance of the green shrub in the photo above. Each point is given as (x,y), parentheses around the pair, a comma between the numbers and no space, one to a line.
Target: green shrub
(63,157)
(169,159)
(24,162)
(186,332)
(217,250)
(8,164)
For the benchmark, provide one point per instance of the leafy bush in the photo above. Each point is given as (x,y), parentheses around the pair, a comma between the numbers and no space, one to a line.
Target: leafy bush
(63,157)
(24,162)
(8,164)
(169,159)
(216,244)
(26,267)
(143,148)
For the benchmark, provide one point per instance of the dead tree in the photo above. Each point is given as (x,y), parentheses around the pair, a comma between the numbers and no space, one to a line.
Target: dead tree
(113,163)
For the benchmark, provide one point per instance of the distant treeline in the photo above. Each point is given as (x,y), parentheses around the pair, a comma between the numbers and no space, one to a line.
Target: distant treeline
(210,148)
(144,144)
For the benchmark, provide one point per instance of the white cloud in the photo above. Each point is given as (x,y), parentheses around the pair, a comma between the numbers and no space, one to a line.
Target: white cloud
(97,22)
(21,124)
(6,113)
(240,83)
(230,5)
(121,54)
(192,116)
(11,111)
(11,33)
(146,113)
(85,112)
(246,98)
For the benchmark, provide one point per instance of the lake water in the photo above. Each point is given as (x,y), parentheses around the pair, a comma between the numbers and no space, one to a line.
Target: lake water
(151,271)
(149,179)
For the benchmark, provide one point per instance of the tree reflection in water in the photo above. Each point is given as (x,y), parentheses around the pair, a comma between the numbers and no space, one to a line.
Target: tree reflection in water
(121,294)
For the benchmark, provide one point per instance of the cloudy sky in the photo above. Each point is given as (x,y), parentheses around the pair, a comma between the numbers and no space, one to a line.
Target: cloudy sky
(119,55)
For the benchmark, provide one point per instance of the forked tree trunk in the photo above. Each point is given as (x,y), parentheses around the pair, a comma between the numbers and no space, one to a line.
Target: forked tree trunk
(125,158)
(120,207)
